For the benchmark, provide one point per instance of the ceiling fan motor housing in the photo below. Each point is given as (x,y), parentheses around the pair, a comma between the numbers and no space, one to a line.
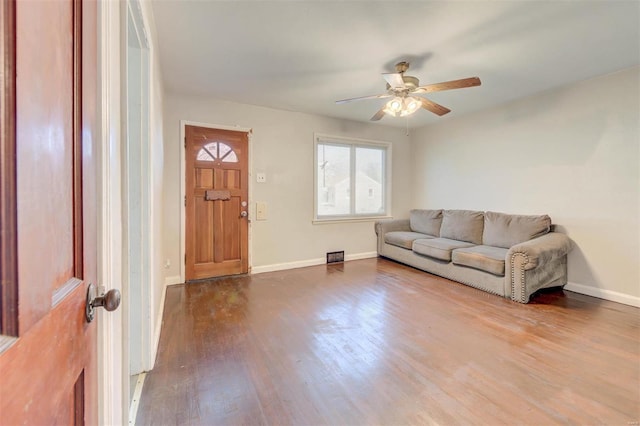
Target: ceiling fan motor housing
(410,82)
(402,66)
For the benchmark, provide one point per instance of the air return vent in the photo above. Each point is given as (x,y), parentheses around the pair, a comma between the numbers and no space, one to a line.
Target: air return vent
(335,256)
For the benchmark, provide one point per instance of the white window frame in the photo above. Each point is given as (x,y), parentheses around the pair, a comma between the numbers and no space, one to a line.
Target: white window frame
(319,138)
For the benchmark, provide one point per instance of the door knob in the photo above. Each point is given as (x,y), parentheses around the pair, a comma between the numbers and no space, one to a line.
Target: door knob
(110,301)
(243,214)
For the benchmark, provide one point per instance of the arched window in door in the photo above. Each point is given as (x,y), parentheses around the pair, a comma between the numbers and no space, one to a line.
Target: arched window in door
(217,151)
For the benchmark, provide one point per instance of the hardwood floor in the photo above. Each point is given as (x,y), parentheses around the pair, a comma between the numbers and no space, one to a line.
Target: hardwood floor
(376,342)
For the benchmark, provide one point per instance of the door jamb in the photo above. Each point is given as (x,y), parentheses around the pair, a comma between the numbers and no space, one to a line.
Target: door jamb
(144,290)
(111,384)
(183,191)
(113,357)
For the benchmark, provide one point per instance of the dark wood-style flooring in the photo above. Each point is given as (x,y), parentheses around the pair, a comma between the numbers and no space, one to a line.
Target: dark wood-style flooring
(375,342)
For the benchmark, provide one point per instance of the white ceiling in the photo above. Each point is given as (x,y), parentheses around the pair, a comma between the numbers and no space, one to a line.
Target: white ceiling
(305,55)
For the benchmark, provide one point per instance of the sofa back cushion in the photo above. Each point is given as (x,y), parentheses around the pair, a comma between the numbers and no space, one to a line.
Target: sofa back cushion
(462,225)
(426,221)
(506,230)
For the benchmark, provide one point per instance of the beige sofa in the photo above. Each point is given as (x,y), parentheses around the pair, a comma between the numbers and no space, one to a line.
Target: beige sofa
(509,255)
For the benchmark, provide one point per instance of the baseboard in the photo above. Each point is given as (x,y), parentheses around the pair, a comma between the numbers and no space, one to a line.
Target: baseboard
(158,328)
(358,256)
(613,296)
(288,265)
(309,262)
(175,279)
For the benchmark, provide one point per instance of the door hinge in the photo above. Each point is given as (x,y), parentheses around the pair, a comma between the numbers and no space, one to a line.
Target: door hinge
(185,141)
(185,258)
(185,201)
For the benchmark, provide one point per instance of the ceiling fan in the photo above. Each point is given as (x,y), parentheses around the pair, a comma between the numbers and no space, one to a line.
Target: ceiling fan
(403,88)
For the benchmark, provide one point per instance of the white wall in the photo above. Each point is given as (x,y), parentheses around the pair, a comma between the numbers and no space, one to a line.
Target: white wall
(281,147)
(572,153)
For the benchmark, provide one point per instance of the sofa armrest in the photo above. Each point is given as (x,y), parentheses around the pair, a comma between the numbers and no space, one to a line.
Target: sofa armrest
(541,250)
(535,264)
(391,225)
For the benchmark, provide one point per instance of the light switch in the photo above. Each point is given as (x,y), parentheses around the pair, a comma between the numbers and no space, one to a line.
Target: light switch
(261,210)
(261,177)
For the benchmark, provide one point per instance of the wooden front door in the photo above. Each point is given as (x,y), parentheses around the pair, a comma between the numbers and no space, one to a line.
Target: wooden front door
(48,372)
(216,202)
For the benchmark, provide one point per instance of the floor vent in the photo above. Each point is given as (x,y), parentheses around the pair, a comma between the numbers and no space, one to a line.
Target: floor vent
(335,256)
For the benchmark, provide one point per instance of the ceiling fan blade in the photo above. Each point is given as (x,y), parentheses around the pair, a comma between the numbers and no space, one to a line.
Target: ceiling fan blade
(378,115)
(449,85)
(434,107)
(344,101)
(394,79)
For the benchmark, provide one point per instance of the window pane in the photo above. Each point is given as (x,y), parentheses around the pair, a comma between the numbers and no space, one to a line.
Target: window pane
(224,149)
(205,154)
(333,180)
(231,157)
(369,181)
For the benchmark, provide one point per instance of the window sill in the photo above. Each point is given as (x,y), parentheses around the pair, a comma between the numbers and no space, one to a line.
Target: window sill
(349,220)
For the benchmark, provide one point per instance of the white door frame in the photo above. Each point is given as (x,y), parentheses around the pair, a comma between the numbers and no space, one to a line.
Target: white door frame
(183,191)
(112,392)
(136,158)
(113,350)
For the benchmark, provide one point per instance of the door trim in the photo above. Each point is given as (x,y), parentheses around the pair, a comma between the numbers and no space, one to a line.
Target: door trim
(111,383)
(138,275)
(183,191)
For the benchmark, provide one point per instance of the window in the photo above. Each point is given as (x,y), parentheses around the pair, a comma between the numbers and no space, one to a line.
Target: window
(351,178)
(217,150)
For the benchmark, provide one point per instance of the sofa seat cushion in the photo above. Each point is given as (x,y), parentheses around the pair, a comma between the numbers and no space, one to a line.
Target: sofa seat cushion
(403,239)
(426,221)
(439,248)
(462,225)
(485,258)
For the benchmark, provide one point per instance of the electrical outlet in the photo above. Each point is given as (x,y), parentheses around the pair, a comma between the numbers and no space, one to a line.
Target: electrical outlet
(261,177)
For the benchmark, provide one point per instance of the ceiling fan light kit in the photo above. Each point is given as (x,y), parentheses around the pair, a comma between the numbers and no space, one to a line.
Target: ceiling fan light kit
(402,107)
(400,87)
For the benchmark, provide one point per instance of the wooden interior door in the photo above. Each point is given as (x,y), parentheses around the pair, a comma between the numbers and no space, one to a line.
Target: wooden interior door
(216,202)
(48,372)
